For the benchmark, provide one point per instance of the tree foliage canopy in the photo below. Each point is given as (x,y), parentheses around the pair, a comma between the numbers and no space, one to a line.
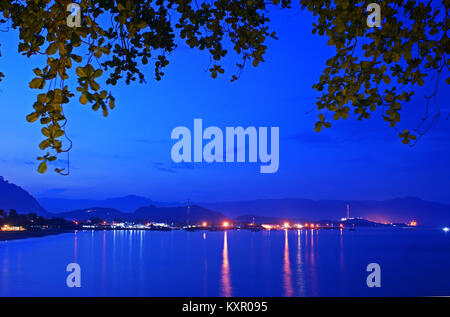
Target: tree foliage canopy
(372,67)
(381,67)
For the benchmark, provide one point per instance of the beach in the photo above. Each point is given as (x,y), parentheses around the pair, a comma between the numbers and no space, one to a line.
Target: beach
(16,235)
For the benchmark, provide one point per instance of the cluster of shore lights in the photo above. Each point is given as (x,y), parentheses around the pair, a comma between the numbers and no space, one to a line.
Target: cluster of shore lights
(300,226)
(225,224)
(11,228)
(287,225)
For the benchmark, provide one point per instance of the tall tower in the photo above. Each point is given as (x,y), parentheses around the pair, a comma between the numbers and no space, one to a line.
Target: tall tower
(348,211)
(188,211)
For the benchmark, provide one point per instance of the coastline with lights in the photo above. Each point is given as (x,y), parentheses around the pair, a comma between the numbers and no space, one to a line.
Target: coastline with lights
(14,232)
(20,226)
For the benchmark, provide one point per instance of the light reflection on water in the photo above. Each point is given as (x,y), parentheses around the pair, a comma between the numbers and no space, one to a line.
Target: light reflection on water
(226,281)
(228,263)
(312,262)
(287,274)
(104,256)
(75,248)
(300,267)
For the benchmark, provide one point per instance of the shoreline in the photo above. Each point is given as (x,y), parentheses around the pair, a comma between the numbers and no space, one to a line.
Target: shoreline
(19,235)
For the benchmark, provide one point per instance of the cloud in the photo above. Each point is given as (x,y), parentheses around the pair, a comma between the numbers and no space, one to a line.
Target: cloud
(19,161)
(147,141)
(174,167)
(313,138)
(54,191)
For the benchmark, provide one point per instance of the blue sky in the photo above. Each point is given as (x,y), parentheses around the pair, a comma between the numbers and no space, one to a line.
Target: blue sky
(129,151)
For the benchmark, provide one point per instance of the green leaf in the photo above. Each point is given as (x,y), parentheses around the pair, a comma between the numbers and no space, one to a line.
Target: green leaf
(51,49)
(95,86)
(83,99)
(32,117)
(45,131)
(42,167)
(80,72)
(76,58)
(318,126)
(112,104)
(97,73)
(434,31)
(38,72)
(44,144)
(37,83)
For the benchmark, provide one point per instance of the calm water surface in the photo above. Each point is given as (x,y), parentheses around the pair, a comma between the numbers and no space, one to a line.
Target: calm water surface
(414,262)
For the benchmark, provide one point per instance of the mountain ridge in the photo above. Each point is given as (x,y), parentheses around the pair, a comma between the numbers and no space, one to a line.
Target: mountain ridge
(392,210)
(195,215)
(402,210)
(15,197)
(128,203)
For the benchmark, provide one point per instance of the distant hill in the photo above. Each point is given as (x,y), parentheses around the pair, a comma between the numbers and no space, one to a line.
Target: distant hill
(15,197)
(268,220)
(258,220)
(107,214)
(125,204)
(197,214)
(394,210)
(399,210)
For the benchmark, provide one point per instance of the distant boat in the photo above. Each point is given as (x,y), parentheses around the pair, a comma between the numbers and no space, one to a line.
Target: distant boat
(159,228)
(192,228)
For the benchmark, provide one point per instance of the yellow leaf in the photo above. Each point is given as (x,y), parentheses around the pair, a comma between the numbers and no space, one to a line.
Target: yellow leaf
(37,83)
(42,167)
(32,117)
(83,99)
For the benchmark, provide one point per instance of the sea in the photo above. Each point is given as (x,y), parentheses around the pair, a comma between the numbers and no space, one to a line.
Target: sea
(291,263)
